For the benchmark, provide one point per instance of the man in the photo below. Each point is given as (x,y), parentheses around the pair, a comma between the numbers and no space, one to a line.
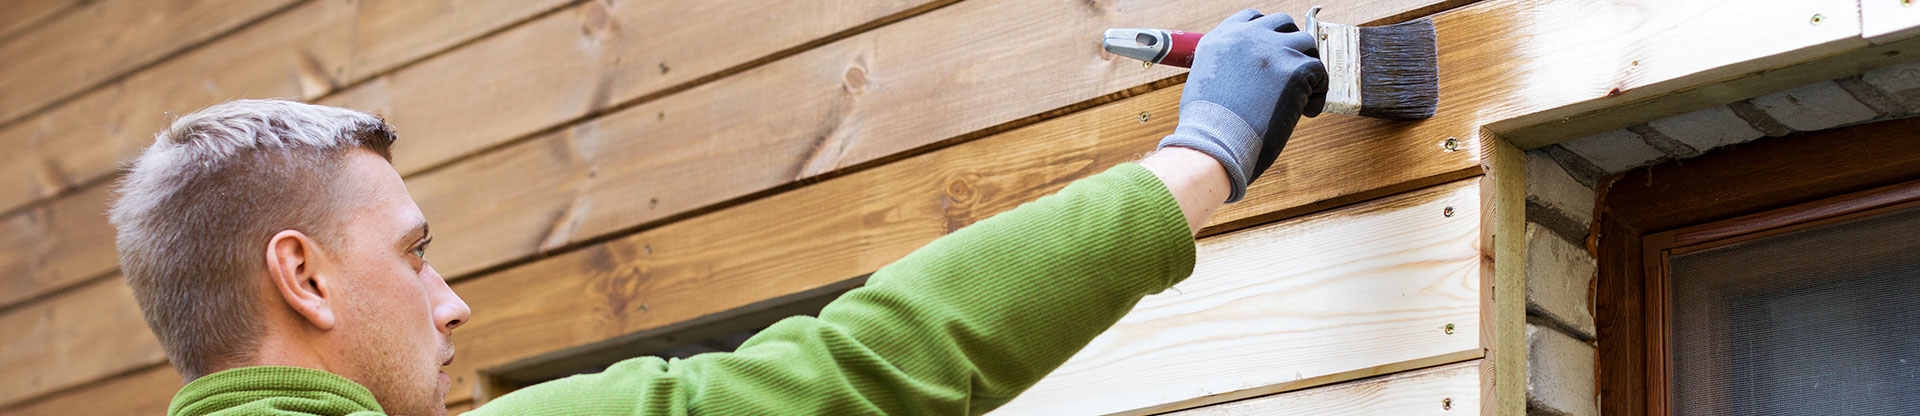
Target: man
(278,257)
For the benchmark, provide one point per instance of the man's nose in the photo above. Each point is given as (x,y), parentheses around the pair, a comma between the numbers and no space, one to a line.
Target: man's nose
(449,311)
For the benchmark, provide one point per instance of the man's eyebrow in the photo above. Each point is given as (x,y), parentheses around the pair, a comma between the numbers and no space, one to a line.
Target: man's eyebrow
(419,232)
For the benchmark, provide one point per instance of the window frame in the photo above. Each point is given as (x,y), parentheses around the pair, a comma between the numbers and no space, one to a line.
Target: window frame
(1745,189)
(1662,246)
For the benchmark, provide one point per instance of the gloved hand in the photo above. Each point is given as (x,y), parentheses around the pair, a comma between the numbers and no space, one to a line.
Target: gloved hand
(1253,77)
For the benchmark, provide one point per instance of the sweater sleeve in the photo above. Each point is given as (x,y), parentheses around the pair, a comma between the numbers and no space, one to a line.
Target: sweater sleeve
(959,326)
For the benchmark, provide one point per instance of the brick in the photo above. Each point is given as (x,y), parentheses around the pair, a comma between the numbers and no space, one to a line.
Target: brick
(1899,81)
(1560,377)
(1552,188)
(1614,151)
(1560,280)
(1819,106)
(1707,129)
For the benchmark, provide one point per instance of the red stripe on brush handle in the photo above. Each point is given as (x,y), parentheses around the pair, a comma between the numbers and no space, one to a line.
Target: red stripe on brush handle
(1180,51)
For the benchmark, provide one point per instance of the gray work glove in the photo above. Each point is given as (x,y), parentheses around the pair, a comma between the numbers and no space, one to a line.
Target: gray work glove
(1253,77)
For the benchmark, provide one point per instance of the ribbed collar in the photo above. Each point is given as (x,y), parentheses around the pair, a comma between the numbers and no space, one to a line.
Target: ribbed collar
(272,391)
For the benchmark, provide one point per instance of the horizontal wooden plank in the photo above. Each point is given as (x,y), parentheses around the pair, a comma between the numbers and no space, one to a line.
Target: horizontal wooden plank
(89,333)
(66,151)
(738,256)
(843,104)
(144,392)
(1452,389)
(57,245)
(1629,53)
(587,59)
(21,15)
(303,53)
(293,54)
(106,39)
(389,33)
(1326,298)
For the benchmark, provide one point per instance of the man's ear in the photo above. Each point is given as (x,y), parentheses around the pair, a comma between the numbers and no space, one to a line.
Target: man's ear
(293,268)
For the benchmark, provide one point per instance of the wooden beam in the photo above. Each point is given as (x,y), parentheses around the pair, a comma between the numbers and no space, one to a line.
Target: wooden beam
(1389,286)
(1504,293)
(106,39)
(142,392)
(91,333)
(1452,389)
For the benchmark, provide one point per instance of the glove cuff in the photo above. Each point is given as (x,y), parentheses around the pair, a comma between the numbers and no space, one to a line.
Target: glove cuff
(1216,131)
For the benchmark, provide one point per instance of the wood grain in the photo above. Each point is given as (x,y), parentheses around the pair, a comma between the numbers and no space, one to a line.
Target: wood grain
(106,39)
(772,246)
(1452,389)
(55,246)
(390,33)
(1260,315)
(303,53)
(587,59)
(21,15)
(687,152)
(1503,294)
(94,332)
(143,392)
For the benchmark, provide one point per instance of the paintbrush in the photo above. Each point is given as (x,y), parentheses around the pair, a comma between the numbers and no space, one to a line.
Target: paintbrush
(1384,72)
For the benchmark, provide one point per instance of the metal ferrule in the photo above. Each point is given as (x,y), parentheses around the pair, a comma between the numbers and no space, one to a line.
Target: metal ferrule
(1149,45)
(1340,51)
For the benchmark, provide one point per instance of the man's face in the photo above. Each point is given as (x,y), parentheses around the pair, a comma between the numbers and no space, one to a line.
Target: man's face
(396,315)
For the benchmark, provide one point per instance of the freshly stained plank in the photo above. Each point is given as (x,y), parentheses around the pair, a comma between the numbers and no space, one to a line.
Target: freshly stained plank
(388,33)
(105,39)
(20,15)
(1452,389)
(1330,297)
(81,336)
(816,235)
(854,101)
(144,392)
(294,54)
(56,245)
(303,53)
(584,59)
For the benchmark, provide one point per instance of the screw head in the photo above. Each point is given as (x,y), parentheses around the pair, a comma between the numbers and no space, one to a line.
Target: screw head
(1452,144)
(1146,64)
(1447,212)
(1817,18)
(1144,116)
(1446,403)
(1449,329)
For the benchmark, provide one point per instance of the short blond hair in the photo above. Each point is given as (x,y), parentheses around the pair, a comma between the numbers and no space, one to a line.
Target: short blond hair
(196,210)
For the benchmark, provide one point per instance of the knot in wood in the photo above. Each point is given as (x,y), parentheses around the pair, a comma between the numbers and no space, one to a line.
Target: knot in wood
(856,79)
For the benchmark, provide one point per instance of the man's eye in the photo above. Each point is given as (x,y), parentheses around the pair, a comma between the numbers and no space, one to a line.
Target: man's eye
(420,252)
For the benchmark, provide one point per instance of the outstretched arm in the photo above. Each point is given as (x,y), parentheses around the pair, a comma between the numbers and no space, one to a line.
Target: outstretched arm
(1196,180)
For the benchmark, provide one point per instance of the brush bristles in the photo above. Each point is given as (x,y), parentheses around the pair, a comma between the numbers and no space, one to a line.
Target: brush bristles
(1399,78)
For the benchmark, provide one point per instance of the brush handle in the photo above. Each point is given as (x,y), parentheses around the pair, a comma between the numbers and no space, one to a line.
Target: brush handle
(1180,48)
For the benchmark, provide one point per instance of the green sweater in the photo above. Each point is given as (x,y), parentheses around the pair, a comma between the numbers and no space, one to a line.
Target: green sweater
(958,327)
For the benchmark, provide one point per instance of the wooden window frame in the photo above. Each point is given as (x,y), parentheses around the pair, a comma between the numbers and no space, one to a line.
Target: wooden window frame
(1662,246)
(1762,188)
